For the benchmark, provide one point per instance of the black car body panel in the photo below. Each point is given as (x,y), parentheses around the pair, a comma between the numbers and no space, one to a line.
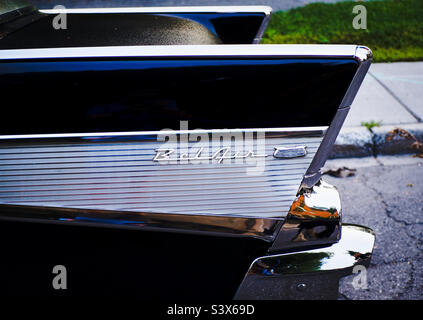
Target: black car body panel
(90,179)
(151,94)
(124,263)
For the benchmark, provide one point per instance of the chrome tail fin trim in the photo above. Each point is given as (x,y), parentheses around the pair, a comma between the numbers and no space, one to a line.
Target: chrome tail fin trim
(364,57)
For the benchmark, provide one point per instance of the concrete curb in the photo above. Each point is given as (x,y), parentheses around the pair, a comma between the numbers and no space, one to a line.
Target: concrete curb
(361,142)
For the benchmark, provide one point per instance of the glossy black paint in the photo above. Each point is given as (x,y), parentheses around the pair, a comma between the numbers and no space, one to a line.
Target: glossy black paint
(56,96)
(231,28)
(118,29)
(136,95)
(109,30)
(123,263)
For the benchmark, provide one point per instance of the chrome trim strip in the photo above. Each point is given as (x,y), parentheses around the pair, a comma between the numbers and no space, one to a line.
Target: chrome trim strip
(260,228)
(186,51)
(188,9)
(263,27)
(313,173)
(269,132)
(363,54)
(364,57)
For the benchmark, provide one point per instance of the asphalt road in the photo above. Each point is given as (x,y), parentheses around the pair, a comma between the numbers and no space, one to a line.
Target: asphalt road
(386,194)
(275,4)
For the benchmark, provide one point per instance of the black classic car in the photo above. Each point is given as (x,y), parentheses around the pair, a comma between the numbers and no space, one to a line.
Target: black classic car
(163,153)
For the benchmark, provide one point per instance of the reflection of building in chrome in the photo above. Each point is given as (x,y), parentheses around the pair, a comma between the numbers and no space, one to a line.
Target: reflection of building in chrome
(314,217)
(301,210)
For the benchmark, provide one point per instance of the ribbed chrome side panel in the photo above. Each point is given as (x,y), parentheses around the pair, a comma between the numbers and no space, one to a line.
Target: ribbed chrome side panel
(116,175)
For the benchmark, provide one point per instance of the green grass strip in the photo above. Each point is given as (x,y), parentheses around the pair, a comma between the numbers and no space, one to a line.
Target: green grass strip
(394,27)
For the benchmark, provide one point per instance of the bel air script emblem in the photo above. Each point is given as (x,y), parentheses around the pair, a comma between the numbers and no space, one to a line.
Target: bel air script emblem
(219,155)
(226,154)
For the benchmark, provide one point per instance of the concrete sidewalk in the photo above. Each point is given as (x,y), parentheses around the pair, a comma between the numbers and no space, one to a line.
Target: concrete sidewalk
(392,94)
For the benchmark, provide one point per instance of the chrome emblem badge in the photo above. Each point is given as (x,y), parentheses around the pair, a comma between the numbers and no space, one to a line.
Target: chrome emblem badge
(219,155)
(165,155)
(289,152)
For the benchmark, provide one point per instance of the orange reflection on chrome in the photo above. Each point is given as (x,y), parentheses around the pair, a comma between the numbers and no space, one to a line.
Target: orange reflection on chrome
(301,210)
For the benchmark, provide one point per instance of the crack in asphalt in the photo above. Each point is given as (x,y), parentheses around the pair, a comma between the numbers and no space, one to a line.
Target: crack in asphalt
(373,147)
(403,279)
(386,206)
(410,283)
(411,261)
